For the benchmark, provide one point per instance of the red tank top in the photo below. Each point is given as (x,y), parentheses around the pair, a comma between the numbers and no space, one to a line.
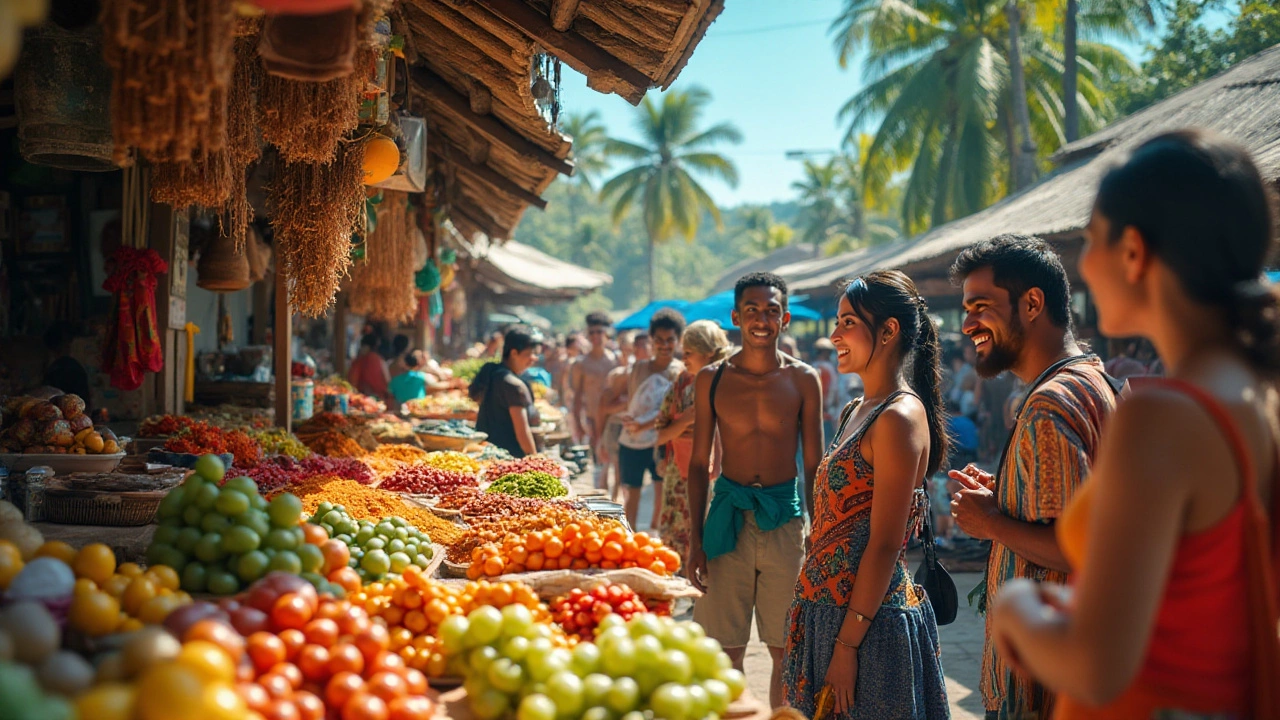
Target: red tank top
(1209,650)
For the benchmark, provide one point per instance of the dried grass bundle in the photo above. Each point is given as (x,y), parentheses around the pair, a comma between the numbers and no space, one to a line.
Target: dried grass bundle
(172,63)
(382,286)
(206,181)
(317,206)
(306,120)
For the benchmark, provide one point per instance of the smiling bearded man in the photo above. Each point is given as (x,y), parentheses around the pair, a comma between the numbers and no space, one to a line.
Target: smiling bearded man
(1017,303)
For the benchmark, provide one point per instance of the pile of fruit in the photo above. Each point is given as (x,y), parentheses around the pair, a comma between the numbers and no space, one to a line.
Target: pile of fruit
(390,545)
(452,461)
(58,425)
(283,472)
(163,425)
(404,454)
(645,664)
(335,444)
(201,438)
(373,504)
(277,441)
(531,463)
(221,538)
(529,484)
(425,479)
(581,611)
(577,546)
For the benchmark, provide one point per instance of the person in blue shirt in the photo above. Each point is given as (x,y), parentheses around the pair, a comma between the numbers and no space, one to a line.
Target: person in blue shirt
(413,383)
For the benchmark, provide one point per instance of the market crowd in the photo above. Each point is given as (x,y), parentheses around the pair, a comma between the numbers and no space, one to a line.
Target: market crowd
(1128,505)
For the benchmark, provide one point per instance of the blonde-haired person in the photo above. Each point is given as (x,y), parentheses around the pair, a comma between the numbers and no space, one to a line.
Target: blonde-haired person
(704,344)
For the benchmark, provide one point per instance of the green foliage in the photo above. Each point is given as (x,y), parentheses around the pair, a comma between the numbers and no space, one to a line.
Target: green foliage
(1189,53)
(838,213)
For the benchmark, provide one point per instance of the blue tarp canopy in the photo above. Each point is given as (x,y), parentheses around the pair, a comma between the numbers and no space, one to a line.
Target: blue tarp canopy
(1273,275)
(639,320)
(719,308)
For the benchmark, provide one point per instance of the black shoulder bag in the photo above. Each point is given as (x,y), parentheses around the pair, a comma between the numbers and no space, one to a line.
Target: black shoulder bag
(938,586)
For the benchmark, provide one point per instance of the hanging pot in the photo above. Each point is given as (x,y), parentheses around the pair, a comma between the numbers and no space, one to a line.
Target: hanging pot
(312,48)
(221,267)
(62,89)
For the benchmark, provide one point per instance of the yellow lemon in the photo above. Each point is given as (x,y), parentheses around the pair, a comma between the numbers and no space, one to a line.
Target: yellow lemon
(208,660)
(96,562)
(164,576)
(94,613)
(58,550)
(108,701)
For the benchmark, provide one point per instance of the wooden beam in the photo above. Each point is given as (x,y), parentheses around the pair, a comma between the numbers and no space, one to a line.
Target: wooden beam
(604,72)
(459,107)
(282,358)
(480,97)
(478,151)
(562,14)
(490,176)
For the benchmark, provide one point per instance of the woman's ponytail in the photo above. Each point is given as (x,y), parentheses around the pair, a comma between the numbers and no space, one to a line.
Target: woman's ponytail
(1255,315)
(926,380)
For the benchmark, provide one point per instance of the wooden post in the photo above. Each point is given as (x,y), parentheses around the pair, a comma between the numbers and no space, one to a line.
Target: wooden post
(168,237)
(283,336)
(340,335)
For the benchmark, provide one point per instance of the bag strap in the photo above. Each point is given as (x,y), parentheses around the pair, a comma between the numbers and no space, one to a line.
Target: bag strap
(715,383)
(1259,556)
(1045,377)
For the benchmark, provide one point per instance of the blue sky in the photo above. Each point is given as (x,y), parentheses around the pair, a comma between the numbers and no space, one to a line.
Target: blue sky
(771,68)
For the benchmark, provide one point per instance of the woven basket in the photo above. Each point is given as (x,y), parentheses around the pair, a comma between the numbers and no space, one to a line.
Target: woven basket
(86,507)
(222,268)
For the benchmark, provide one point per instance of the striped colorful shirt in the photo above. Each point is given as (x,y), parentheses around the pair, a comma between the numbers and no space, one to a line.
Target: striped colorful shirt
(1053,446)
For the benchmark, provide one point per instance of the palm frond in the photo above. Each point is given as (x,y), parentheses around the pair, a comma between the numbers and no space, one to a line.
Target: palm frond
(713,165)
(722,133)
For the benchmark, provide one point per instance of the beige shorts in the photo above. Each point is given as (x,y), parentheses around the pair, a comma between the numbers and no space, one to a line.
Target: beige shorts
(758,575)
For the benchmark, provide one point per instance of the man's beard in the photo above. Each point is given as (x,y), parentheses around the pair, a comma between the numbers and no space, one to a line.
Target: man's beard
(1002,354)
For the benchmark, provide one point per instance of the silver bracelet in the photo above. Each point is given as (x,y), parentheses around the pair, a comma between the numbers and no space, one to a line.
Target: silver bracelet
(851,647)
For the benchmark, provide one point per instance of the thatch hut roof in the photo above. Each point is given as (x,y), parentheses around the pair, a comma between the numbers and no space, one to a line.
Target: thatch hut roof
(473,67)
(1242,103)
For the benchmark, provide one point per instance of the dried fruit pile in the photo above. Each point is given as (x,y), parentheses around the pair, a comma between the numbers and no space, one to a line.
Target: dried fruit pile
(164,425)
(367,503)
(427,480)
(283,472)
(532,463)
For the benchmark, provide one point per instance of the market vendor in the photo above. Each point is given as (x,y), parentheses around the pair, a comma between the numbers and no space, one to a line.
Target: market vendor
(65,372)
(415,382)
(506,411)
(368,372)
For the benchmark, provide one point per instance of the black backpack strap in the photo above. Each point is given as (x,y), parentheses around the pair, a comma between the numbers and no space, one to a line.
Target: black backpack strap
(715,382)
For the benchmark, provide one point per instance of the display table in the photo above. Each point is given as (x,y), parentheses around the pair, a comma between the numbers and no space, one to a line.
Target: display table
(453,704)
(129,543)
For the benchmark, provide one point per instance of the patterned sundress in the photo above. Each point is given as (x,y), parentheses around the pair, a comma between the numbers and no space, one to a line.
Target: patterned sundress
(899,663)
(674,520)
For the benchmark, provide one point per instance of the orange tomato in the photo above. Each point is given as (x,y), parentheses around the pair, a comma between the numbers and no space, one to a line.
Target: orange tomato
(345,657)
(535,561)
(412,598)
(608,565)
(475,570)
(291,611)
(534,541)
(629,549)
(277,686)
(346,578)
(493,566)
(415,622)
(518,554)
(645,556)
(313,661)
(353,621)
(293,640)
(658,568)
(310,706)
(579,564)
(265,650)
(612,551)
(593,557)
(564,562)
(254,695)
(576,548)
(387,685)
(373,641)
(413,707)
(365,706)
(289,672)
(436,611)
(402,636)
(387,661)
(413,577)
(615,534)
(553,548)
(670,558)
(314,534)
(342,687)
(571,531)
(641,538)
(393,615)
(323,632)
(218,634)
(592,542)
(57,549)
(336,554)
(501,595)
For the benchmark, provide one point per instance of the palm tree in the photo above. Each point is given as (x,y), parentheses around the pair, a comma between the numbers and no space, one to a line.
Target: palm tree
(1120,17)
(819,202)
(865,220)
(939,85)
(672,146)
(590,152)
(761,233)
(1024,148)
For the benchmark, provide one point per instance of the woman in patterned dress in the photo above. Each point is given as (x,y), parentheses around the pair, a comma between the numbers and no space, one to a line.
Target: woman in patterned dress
(704,344)
(859,623)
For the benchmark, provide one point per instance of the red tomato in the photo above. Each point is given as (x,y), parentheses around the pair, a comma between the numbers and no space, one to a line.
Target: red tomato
(345,577)
(387,660)
(313,661)
(282,710)
(346,657)
(265,650)
(314,534)
(416,682)
(323,632)
(410,708)
(255,696)
(354,621)
(372,641)
(341,688)
(310,707)
(293,640)
(291,611)
(219,634)
(289,672)
(337,555)
(277,686)
(363,706)
(387,685)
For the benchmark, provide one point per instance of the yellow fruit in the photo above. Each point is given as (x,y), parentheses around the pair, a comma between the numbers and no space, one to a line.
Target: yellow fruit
(208,660)
(155,610)
(139,591)
(10,562)
(110,447)
(164,576)
(96,562)
(131,625)
(132,570)
(116,586)
(93,443)
(170,691)
(108,701)
(84,585)
(94,613)
(57,549)
(381,159)
(222,702)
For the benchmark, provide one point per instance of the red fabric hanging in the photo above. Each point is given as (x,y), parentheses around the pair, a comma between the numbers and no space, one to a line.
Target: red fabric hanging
(133,340)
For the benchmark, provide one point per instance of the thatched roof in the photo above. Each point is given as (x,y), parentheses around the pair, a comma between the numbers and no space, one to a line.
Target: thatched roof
(521,274)
(473,64)
(1242,103)
(786,255)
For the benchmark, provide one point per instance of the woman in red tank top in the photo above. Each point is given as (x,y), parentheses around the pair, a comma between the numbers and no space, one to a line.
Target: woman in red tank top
(1172,610)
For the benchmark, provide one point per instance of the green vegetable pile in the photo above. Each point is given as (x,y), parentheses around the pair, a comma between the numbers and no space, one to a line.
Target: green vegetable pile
(530,485)
(469,368)
(278,442)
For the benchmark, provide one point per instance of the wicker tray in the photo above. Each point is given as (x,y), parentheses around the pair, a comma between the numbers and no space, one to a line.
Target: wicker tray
(86,507)
(454,570)
(448,442)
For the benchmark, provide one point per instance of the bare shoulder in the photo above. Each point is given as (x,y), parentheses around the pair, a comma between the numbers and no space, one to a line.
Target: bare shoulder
(1167,432)
(800,371)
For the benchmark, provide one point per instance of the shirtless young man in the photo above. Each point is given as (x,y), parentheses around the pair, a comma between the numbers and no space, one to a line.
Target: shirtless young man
(747,553)
(632,348)
(587,376)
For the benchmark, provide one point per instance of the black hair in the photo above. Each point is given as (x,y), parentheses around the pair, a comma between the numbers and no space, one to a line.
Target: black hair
(399,344)
(667,319)
(599,318)
(759,279)
(1019,263)
(411,360)
(370,341)
(518,339)
(890,294)
(1202,207)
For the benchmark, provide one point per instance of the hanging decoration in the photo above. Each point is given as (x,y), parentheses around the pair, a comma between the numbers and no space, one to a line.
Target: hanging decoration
(133,340)
(244,146)
(545,87)
(382,287)
(317,207)
(172,64)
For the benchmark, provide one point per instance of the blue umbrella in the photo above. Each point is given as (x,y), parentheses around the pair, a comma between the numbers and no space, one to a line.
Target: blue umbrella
(719,308)
(639,320)
(1274,276)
